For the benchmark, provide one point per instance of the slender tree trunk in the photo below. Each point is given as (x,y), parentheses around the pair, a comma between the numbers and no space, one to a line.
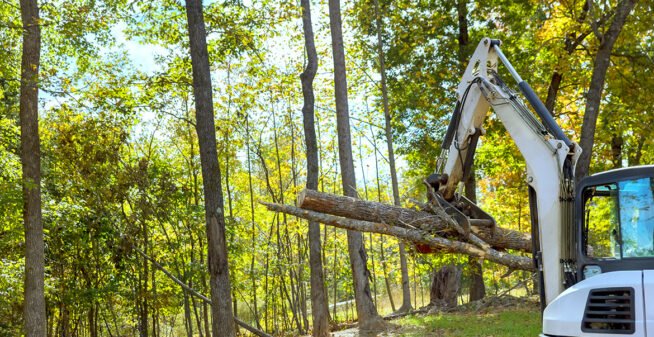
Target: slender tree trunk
(470,185)
(594,95)
(334,278)
(252,223)
(229,199)
(91,321)
(406,290)
(222,316)
(387,282)
(187,315)
(145,274)
(477,288)
(366,311)
(34,307)
(636,153)
(616,150)
(464,38)
(553,91)
(195,313)
(385,274)
(365,191)
(265,282)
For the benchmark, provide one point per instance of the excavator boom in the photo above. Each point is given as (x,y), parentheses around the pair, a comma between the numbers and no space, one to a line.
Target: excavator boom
(550,157)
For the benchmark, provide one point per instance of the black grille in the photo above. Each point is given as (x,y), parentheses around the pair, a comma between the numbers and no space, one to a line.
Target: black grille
(610,310)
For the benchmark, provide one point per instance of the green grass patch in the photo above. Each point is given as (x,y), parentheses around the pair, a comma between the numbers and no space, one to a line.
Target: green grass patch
(513,322)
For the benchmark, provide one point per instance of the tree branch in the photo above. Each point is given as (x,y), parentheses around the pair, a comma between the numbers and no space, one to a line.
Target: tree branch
(412,235)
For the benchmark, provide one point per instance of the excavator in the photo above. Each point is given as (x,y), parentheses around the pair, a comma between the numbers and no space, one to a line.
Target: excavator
(592,239)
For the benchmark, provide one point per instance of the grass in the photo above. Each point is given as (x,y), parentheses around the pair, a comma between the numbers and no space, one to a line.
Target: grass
(511,322)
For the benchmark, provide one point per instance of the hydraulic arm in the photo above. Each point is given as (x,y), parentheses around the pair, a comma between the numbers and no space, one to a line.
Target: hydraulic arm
(550,157)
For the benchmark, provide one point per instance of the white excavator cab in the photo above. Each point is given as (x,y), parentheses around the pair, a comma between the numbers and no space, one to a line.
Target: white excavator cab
(615,259)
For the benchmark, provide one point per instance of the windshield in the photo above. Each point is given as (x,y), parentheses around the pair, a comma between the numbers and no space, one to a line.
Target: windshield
(619,219)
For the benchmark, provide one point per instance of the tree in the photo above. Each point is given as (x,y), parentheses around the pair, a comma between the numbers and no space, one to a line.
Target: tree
(320,310)
(369,319)
(406,291)
(221,308)
(34,307)
(594,96)
(477,289)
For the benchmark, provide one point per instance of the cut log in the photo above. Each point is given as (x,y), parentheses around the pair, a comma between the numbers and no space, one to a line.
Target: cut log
(445,284)
(438,224)
(410,234)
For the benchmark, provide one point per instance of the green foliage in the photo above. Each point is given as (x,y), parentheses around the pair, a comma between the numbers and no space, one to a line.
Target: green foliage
(120,160)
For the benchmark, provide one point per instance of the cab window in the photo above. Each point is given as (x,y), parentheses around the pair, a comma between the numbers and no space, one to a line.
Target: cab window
(619,219)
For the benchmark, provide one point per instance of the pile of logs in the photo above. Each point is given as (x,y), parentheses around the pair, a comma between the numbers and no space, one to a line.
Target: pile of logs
(426,226)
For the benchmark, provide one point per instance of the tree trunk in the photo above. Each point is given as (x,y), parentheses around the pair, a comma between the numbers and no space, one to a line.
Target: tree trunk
(188,322)
(252,225)
(470,185)
(389,292)
(319,307)
(616,150)
(417,236)
(30,155)
(222,316)
(406,291)
(635,154)
(594,95)
(445,287)
(197,316)
(367,314)
(371,211)
(477,288)
(553,91)
(91,316)
(464,38)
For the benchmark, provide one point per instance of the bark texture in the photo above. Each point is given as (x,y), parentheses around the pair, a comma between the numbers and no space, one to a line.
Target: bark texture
(34,306)
(437,224)
(221,307)
(319,308)
(445,284)
(367,314)
(406,291)
(414,235)
(594,95)
(477,288)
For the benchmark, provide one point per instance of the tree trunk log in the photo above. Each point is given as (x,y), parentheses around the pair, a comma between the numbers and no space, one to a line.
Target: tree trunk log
(439,224)
(477,288)
(410,234)
(445,285)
